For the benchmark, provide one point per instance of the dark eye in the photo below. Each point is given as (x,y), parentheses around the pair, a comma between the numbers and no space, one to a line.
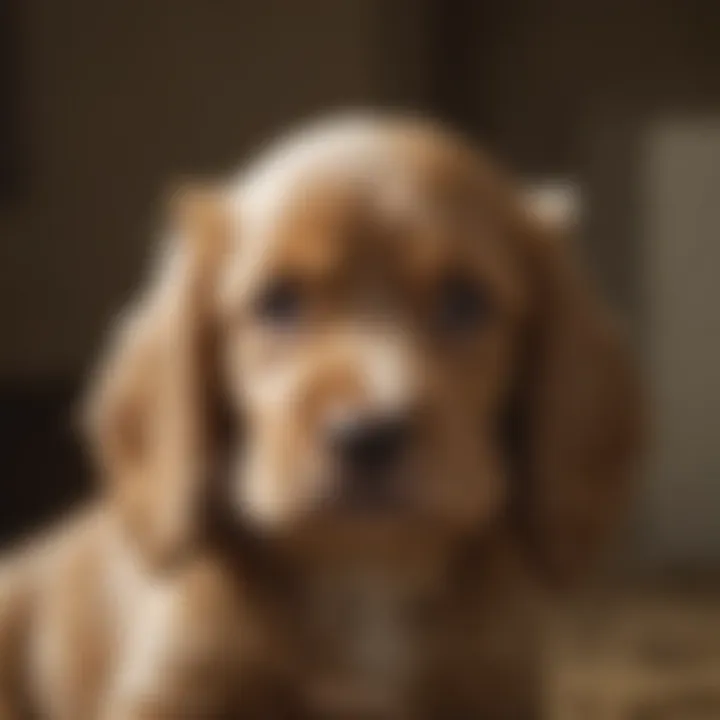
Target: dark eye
(280,304)
(462,305)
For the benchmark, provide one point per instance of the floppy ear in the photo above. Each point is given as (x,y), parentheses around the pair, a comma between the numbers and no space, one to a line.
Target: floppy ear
(149,408)
(580,412)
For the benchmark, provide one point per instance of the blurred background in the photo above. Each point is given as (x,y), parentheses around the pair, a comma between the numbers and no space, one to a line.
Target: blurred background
(104,104)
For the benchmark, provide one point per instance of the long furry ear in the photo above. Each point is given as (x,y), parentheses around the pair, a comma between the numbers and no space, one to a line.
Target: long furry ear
(580,415)
(148,410)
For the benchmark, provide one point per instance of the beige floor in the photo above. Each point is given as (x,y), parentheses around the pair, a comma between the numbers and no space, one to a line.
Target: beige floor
(637,655)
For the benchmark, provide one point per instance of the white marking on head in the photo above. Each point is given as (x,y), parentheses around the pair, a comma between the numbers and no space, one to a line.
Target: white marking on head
(356,145)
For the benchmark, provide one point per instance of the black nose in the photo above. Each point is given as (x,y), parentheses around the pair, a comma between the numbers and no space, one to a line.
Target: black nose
(367,446)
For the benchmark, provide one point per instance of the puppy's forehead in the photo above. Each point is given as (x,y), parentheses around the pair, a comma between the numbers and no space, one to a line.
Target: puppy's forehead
(382,151)
(332,178)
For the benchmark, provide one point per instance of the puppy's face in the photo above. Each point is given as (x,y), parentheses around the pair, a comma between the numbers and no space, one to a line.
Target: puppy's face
(368,316)
(380,294)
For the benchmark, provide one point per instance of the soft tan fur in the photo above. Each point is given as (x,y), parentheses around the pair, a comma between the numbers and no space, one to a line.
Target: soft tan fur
(218,575)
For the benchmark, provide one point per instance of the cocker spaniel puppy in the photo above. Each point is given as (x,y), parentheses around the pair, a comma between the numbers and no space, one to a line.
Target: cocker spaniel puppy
(365,413)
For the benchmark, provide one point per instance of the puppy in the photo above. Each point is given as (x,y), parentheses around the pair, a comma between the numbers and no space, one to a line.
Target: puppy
(367,411)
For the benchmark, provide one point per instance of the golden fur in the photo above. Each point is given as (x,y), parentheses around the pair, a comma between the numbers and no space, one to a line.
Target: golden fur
(220,574)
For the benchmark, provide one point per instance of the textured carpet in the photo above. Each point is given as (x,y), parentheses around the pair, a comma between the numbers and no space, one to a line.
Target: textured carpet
(637,655)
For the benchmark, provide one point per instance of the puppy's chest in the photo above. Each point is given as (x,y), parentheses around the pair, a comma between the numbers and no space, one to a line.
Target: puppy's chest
(364,645)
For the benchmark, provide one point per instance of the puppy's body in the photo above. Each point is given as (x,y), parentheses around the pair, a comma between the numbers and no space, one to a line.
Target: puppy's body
(90,634)
(316,504)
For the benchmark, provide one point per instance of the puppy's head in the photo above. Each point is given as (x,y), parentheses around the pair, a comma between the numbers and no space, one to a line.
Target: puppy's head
(370,304)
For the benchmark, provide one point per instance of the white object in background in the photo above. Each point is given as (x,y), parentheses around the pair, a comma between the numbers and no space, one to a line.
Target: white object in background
(556,202)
